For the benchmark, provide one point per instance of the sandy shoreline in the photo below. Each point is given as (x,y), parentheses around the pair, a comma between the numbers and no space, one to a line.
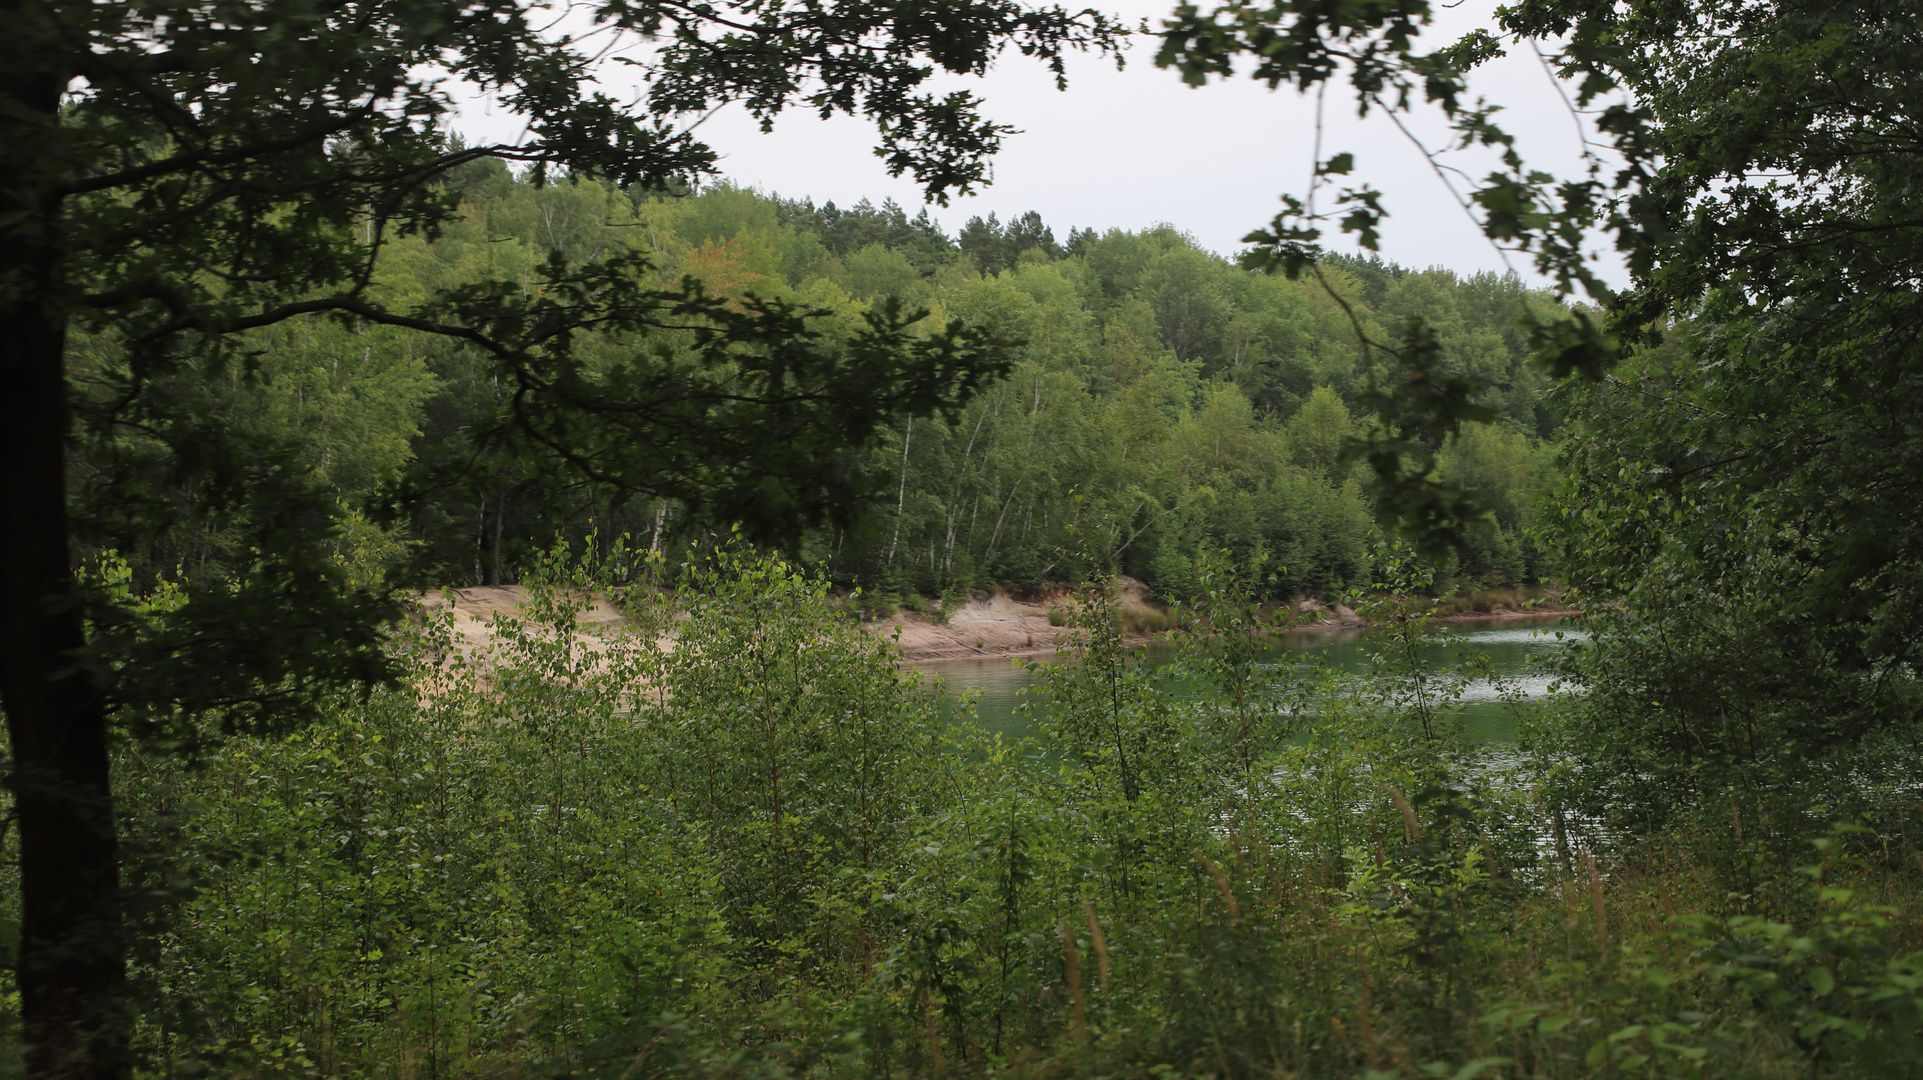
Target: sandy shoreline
(1005,626)
(997,626)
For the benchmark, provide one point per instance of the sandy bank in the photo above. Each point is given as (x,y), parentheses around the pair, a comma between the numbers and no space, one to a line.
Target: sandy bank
(1000,625)
(1004,625)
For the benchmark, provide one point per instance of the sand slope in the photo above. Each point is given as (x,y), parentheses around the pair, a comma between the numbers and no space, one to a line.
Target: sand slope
(997,625)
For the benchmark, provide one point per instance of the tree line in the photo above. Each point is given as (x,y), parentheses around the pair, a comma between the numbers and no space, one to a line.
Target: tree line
(1162,404)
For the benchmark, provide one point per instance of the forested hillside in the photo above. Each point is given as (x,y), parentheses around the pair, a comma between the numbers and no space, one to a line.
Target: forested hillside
(1162,401)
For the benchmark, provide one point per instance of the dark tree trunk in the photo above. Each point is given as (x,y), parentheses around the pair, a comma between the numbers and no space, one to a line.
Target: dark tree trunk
(70,962)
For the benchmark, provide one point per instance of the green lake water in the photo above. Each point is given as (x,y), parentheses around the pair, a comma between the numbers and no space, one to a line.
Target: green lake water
(1510,644)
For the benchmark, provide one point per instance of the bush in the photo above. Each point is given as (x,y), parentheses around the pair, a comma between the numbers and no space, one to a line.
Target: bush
(876,606)
(758,854)
(1149,621)
(952,599)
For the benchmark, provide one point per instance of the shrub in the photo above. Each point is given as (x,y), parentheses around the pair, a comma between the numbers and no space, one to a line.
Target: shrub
(876,606)
(757,854)
(1149,621)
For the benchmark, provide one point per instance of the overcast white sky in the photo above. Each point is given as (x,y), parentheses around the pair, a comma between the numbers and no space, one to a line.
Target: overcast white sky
(1135,148)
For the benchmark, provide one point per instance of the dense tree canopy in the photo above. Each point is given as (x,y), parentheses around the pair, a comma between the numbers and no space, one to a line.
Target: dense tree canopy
(1103,447)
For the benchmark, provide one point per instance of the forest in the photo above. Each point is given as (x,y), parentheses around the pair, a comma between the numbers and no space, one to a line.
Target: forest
(1164,404)
(291,365)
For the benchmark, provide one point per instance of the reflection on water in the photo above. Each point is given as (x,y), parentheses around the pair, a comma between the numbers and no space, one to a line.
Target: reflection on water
(1508,643)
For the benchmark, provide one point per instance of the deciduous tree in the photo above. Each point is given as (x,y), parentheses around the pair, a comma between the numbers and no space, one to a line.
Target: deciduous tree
(1745,504)
(177,173)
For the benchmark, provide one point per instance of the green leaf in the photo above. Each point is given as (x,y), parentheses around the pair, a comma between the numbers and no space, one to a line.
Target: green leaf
(1473,1069)
(1822,980)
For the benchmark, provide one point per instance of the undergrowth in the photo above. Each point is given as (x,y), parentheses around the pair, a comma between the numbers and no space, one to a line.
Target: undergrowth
(763,853)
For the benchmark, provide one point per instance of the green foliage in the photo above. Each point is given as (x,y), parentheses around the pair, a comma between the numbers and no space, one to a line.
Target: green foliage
(785,736)
(736,843)
(1740,515)
(722,836)
(1248,704)
(1118,415)
(1748,614)
(185,183)
(479,863)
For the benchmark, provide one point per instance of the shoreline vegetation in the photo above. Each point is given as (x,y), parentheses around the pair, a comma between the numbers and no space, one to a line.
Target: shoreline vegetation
(1017,623)
(760,854)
